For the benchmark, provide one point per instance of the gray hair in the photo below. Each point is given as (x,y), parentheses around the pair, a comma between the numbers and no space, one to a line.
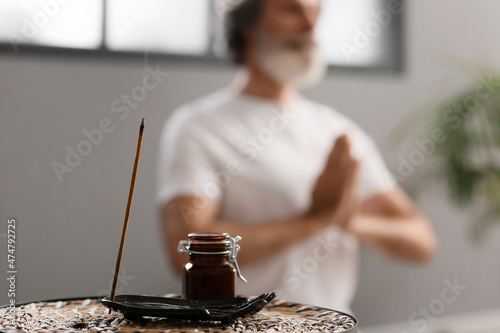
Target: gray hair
(237,19)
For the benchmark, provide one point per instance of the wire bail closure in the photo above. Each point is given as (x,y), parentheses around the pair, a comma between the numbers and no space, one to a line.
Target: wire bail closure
(185,247)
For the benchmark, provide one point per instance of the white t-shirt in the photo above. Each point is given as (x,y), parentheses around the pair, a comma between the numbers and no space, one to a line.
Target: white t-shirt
(261,161)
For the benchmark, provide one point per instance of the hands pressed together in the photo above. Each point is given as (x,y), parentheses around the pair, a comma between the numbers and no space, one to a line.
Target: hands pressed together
(388,221)
(334,196)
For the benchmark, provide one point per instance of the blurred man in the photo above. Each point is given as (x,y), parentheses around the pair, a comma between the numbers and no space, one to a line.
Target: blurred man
(301,183)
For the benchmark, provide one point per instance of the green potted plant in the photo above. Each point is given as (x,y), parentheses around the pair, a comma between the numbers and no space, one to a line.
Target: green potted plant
(456,143)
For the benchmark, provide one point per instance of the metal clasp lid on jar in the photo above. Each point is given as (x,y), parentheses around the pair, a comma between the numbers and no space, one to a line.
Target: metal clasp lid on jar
(185,247)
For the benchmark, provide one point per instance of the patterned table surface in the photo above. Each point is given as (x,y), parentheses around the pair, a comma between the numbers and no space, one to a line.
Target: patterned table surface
(89,315)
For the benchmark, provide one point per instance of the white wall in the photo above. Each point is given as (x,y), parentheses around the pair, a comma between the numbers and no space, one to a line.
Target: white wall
(69,231)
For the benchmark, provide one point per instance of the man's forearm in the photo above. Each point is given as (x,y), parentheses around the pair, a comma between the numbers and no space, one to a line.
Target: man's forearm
(407,238)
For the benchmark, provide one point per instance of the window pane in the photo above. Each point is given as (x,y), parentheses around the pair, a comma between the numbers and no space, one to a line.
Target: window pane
(173,26)
(342,29)
(72,24)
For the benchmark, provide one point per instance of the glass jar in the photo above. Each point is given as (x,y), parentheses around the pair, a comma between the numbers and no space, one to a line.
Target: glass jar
(212,267)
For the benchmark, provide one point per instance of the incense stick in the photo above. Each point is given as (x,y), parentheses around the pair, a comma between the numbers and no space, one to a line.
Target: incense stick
(127,213)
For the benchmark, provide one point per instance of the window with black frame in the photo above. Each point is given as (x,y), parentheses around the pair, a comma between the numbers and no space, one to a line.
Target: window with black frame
(364,34)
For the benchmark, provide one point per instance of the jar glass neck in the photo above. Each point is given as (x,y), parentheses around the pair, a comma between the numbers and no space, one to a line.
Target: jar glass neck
(209,260)
(209,243)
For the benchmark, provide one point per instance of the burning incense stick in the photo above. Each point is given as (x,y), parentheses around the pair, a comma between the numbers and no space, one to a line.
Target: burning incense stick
(127,213)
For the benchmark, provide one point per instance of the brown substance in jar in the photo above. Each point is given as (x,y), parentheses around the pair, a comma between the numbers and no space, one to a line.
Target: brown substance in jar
(209,275)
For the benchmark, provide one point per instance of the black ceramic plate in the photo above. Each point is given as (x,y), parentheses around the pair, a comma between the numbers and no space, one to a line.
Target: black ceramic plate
(136,306)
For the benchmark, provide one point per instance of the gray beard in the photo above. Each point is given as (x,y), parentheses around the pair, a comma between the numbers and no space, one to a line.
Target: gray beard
(298,68)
